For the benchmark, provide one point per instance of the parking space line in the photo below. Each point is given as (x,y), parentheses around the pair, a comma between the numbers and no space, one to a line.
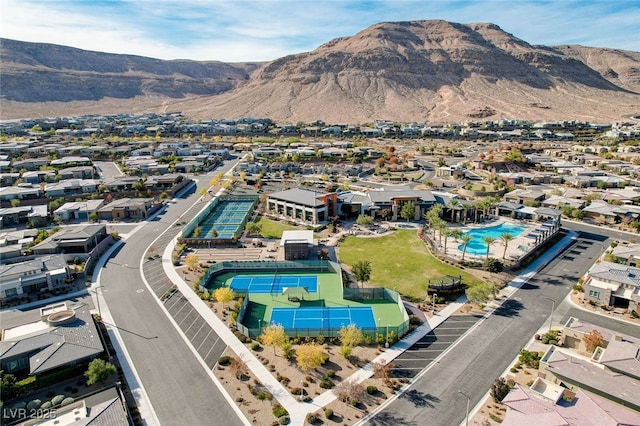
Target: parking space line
(204,340)
(186,330)
(186,316)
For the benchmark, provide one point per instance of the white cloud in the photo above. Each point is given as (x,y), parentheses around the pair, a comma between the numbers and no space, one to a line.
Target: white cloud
(258,30)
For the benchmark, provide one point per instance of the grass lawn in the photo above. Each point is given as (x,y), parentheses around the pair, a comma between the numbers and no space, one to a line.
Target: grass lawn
(274,229)
(400,262)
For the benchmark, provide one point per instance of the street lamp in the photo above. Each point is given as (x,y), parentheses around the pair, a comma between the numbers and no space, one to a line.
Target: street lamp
(553,307)
(433,299)
(98,300)
(259,325)
(466,418)
(301,390)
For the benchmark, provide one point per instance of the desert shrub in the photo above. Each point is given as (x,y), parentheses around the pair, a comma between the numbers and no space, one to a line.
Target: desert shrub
(34,404)
(255,346)
(328,413)
(263,394)
(279,411)
(326,384)
(225,360)
(46,405)
(287,351)
(578,288)
(499,389)
(345,351)
(371,389)
(414,320)
(56,400)
(312,418)
(329,374)
(67,401)
(284,420)
(529,358)
(550,337)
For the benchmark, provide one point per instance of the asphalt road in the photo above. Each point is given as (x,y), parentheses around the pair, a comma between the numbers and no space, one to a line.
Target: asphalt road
(477,360)
(180,390)
(427,349)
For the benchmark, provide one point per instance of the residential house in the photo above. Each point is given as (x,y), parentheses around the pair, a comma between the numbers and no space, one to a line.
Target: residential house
(547,404)
(522,196)
(80,239)
(604,212)
(46,272)
(61,338)
(35,215)
(612,373)
(68,187)
(128,208)
(627,253)
(79,210)
(613,284)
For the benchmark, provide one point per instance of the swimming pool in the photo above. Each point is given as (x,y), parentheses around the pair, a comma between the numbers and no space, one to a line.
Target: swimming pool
(477,246)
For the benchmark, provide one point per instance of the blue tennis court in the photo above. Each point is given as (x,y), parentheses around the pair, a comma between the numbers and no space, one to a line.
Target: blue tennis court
(273,283)
(324,317)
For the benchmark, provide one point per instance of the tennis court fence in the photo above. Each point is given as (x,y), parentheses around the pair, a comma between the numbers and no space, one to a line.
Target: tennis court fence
(275,266)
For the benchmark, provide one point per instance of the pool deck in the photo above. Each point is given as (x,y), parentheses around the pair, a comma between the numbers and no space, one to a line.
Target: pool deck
(514,249)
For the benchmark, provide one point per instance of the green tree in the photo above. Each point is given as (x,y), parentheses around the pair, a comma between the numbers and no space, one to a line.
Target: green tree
(466,239)
(15,203)
(99,371)
(499,389)
(361,270)
(488,240)
(254,228)
(274,335)
(408,211)
(506,238)
(7,385)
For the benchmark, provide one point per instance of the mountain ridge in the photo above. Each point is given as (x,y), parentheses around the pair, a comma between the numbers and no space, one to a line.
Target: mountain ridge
(402,71)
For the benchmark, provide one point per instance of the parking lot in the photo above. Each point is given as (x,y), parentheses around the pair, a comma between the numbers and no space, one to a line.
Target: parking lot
(427,349)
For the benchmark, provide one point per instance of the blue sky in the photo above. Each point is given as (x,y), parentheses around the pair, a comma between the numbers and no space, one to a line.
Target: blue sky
(260,30)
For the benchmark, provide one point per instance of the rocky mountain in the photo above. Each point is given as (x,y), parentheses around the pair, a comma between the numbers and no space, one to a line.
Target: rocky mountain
(38,72)
(403,71)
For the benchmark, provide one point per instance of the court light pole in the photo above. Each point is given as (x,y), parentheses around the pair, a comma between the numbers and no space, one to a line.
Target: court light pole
(386,344)
(466,418)
(301,389)
(433,299)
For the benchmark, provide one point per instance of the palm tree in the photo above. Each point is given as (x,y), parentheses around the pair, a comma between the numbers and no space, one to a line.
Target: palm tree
(506,237)
(466,205)
(479,206)
(441,226)
(490,203)
(452,204)
(488,240)
(465,238)
(447,233)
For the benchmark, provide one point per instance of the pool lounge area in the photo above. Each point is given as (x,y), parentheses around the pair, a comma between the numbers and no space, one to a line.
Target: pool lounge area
(527,235)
